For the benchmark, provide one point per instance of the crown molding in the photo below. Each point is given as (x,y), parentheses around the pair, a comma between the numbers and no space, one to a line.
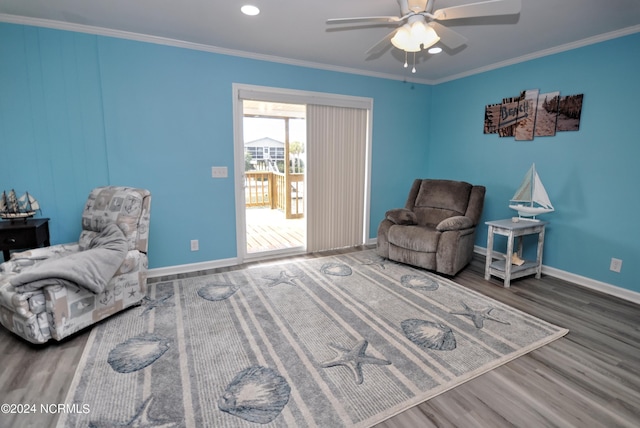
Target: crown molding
(546,52)
(120,34)
(101,31)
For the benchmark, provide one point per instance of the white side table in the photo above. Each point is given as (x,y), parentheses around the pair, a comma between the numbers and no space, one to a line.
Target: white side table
(502,267)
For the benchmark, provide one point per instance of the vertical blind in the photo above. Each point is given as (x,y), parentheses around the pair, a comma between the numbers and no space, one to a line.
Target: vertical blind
(336,176)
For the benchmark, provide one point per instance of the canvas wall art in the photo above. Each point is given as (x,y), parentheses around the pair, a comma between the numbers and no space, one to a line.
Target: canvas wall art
(532,114)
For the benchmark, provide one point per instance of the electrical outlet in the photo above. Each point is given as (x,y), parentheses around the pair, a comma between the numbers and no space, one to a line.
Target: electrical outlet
(195,245)
(219,172)
(616,265)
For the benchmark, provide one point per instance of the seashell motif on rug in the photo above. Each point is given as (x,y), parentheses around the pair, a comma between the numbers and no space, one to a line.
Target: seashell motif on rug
(336,269)
(419,282)
(257,394)
(216,292)
(137,353)
(430,335)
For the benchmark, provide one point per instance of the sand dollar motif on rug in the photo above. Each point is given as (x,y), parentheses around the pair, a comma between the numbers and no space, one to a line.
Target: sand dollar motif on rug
(340,341)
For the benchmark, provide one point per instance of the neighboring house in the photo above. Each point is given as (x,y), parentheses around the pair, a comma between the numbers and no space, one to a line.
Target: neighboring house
(264,150)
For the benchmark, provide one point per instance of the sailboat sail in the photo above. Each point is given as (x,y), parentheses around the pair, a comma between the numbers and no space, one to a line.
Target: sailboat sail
(531,198)
(35,206)
(27,203)
(525,191)
(12,202)
(540,194)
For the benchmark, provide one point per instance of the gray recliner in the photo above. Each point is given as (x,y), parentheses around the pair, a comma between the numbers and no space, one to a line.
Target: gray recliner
(436,228)
(53,292)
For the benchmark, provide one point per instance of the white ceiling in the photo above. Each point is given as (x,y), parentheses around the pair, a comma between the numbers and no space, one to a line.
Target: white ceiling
(295,31)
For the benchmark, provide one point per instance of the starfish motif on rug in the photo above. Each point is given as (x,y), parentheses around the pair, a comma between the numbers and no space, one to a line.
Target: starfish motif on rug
(353,359)
(140,419)
(150,304)
(478,316)
(283,278)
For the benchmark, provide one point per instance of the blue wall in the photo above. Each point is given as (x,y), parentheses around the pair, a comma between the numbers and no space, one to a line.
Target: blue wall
(591,175)
(79,111)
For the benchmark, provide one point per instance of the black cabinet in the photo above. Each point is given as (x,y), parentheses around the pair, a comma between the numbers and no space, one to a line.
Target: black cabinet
(21,234)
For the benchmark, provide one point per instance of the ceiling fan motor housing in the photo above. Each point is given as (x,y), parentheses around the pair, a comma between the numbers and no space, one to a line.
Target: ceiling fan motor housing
(415,5)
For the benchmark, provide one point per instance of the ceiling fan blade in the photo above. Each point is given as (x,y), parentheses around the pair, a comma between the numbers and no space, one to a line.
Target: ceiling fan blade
(404,7)
(381,45)
(485,8)
(364,19)
(448,37)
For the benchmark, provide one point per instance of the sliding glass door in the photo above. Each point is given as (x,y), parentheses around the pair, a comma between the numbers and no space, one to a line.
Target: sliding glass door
(314,162)
(274,136)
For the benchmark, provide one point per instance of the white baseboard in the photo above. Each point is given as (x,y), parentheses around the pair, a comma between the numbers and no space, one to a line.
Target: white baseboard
(191,267)
(583,281)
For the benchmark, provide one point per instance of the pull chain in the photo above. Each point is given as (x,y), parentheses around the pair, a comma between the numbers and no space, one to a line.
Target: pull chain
(406,64)
(413,70)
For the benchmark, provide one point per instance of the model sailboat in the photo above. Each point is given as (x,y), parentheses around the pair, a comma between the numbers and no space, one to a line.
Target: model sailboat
(531,198)
(12,207)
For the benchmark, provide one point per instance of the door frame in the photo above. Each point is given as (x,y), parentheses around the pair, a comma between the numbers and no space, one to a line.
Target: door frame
(289,96)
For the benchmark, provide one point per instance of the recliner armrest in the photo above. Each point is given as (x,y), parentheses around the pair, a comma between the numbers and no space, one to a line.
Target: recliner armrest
(401,216)
(46,252)
(22,260)
(458,222)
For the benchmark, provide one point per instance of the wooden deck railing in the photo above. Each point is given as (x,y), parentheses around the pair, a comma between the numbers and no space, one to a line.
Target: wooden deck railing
(257,188)
(267,189)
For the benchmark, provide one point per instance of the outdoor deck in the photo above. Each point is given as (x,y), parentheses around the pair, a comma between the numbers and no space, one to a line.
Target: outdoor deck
(268,229)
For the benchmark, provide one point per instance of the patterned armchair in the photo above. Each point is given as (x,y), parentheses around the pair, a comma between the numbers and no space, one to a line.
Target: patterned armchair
(54,308)
(436,228)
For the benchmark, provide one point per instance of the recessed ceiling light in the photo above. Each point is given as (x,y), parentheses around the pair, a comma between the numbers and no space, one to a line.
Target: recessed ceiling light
(250,10)
(435,50)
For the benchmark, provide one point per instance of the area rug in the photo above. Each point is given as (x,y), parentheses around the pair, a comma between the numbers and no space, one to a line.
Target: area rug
(348,340)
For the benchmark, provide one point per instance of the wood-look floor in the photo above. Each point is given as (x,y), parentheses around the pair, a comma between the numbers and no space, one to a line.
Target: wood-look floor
(589,378)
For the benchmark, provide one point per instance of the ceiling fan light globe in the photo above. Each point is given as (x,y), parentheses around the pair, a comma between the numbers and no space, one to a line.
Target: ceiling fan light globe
(423,34)
(427,43)
(404,40)
(401,38)
(418,29)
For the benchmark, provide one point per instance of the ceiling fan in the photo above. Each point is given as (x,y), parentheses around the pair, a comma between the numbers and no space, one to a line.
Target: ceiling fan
(419,26)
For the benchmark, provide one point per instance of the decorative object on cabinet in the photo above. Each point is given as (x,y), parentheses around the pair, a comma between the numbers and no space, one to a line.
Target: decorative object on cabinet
(531,198)
(13,207)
